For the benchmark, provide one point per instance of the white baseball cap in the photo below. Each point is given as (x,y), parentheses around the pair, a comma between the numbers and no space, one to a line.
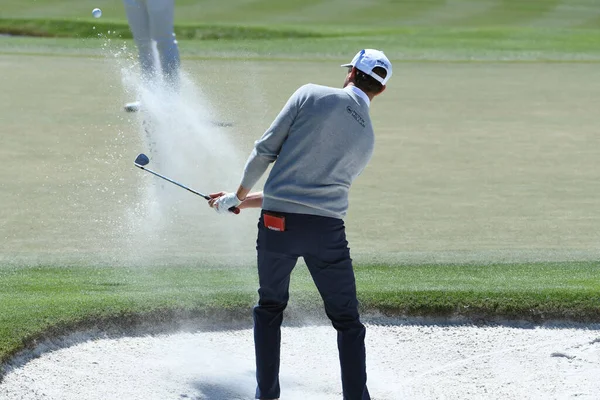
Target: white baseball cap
(367,59)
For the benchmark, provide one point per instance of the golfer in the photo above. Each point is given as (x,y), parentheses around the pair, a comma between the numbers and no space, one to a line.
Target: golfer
(320,142)
(153,21)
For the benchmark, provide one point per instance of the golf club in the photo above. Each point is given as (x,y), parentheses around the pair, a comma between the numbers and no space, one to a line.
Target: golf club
(142,160)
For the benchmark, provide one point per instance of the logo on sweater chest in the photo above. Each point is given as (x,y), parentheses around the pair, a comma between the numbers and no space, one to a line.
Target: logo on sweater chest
(356,116)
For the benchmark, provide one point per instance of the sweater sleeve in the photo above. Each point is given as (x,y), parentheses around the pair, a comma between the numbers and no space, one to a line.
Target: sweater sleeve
(267,148)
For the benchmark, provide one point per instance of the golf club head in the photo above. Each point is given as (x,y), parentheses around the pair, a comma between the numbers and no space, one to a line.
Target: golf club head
(142,160)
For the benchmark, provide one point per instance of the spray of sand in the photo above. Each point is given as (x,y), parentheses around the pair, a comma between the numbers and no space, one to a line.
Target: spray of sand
(181,133)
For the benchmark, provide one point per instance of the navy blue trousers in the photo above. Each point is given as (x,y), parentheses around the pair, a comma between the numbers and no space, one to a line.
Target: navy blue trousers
(321,241)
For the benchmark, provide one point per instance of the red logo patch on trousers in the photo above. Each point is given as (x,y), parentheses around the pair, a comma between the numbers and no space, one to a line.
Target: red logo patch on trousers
(274,222)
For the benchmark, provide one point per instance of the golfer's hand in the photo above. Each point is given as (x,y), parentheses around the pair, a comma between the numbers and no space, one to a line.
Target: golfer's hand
(214,197)
(222,202)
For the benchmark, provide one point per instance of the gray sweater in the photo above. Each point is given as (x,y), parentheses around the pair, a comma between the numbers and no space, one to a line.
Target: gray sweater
(321,141)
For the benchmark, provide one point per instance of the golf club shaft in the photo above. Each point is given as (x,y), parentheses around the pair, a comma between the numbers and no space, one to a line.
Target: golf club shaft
(234,210)
(172,181)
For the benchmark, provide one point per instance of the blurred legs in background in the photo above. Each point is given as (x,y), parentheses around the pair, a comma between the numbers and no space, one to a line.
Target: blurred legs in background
(152,21)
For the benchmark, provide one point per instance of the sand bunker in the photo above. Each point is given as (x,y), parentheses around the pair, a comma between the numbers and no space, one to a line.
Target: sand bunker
(405,361)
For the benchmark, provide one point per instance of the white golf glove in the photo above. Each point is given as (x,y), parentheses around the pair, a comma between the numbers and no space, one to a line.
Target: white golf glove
(225,202)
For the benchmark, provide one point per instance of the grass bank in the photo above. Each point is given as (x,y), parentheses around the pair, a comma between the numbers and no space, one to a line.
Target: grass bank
(337,13)
(463,45)
(67,28)
(37,302)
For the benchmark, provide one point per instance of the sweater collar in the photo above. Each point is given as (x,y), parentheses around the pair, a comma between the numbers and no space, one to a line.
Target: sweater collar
(359,93)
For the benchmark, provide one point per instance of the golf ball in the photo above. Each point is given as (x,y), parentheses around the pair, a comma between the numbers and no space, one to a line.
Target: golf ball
(97,13)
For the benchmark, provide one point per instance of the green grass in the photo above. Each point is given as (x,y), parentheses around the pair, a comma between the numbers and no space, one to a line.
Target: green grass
(410,44)
(43,301)
(426,30)
(91,29)
(336,13)
(527,291)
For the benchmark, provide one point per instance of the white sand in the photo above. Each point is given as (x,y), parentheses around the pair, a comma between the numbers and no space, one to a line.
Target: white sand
(405,361)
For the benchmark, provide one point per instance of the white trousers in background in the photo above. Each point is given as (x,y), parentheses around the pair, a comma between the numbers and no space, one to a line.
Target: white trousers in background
(152,20)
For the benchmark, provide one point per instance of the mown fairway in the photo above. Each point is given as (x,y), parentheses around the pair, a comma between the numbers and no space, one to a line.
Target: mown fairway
(488,161)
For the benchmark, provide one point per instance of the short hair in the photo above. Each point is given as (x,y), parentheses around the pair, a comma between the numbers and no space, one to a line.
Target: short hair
(367,83)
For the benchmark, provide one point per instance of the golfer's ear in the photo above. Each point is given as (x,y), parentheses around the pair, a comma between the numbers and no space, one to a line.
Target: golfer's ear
(382,89)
